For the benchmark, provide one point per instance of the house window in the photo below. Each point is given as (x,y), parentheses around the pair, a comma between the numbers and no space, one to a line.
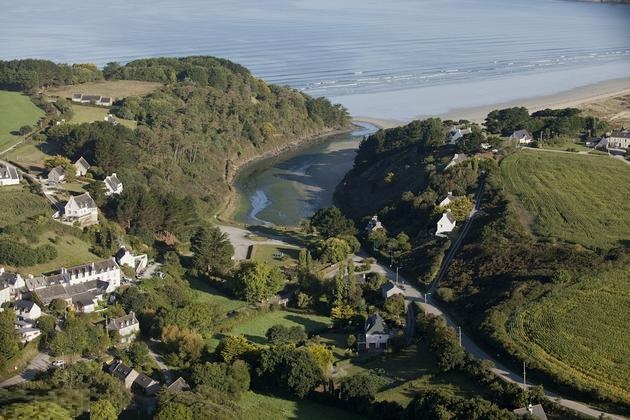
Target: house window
(372,345)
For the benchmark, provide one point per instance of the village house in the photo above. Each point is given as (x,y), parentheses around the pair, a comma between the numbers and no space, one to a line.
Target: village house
(8,175)
(446,224)
(532,411)
(113,185)
(56,175)
(27,309)
(178,385)
(457,133)
(13,281)
(82,166)
(448,199)
(390,289)
(522,136)
(137,262)
(28,334)
(92,99)
(592,142)
(81,208)
(375,335)
(127,326)
(457,159)
(619,140)
(373,224)
(131,378)
(5,293)
(146,385)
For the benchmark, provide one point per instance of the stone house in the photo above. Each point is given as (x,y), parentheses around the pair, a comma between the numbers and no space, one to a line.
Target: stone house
(375,335)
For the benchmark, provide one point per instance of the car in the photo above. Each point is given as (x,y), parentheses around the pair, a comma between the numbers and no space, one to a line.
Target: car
(59,363)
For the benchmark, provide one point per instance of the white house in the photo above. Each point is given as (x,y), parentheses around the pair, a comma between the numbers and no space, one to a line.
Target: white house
(457,133)
(446,223)
(619,140)
(14,281)
(82,166)
(106,271)
(137,262)
(92,99)
(8,175)
(390,289)
(127,326)
(82,208)
(374,224)
(56,175)
(113,185)
(28,334)
(27,309)
(375,336)
(5,293)
(522,136)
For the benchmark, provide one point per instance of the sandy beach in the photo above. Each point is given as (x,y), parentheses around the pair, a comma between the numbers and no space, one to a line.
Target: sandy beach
(575,97)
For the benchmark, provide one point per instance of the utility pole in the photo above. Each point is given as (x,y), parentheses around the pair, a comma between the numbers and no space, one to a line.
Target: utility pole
(459,335)
(425,296)
(524,376)
(397,267)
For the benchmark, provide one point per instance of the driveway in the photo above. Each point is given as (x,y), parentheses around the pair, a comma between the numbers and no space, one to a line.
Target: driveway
(38,364)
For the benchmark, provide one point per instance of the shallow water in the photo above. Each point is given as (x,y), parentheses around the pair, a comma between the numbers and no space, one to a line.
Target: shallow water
(290,188)
(344,48)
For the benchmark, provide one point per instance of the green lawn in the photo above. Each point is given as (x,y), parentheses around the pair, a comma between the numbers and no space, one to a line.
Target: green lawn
(580,199)
(16,110)
(580,332)
(265,407)
(88,114)
(207,293)
(276,255)
(18,204)
(255,328)
(410,371)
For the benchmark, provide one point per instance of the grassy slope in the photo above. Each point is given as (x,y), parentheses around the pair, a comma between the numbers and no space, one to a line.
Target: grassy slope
(17,204)
(70,249)
(256,328)
(578,330)
(16,110)
(575,198)
(263,407)
(88,114)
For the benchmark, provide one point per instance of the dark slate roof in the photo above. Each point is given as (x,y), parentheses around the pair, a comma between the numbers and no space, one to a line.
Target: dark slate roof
(84,201)
(83,163)
(123,321)
(77,95)
(91,97)
(180,385)
(8,172)
(375,325)
(621,134)
(105,99)
(24,305)
(144,381)
(521,134)
(537,412)
(113,182)
(8,278)
(50,293)
(389,286)
(119,370)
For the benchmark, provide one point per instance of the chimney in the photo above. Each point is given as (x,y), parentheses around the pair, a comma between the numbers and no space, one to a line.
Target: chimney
(530,408)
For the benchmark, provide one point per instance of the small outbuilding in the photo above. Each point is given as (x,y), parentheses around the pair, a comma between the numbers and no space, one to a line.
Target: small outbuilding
(390,289)
(446,224)
(56,175)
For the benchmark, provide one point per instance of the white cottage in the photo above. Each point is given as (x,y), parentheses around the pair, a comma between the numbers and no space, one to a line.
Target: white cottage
(137,262)
(446,223)
(56,175)
(83,208)
(113,185)
(27,309)
(81,166)
(522,136)
(375,336)
(390,289)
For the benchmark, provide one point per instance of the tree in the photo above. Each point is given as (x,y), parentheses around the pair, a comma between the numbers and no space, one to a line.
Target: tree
(257,281)
(323,355)
(331,222)
(232,379)
(34,410)
(185,345)
(281,334)
(212,250)
(173,410)
(102,410)
(138,353)
(333,250)
(234,347)
(505,121)
(24,130)
(395,305)
(9,338)
(460,208)
(97,192)
(471,142)
(304,373)
(364,386)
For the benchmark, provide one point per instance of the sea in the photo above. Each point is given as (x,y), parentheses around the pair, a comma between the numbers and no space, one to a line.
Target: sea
(385,59)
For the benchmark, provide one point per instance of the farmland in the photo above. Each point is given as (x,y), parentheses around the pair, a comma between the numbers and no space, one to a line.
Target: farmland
(88,114)
(114,88)
(577,332)
(16,110)
(574,198)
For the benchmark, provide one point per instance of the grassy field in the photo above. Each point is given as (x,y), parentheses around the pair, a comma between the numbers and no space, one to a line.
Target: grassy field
(256,328)
(115,88)
(16,110)
(18,204)
(575,198)
(270,254)
(581,332)
(410,371)
(207,294)
(265,407)
(88,114)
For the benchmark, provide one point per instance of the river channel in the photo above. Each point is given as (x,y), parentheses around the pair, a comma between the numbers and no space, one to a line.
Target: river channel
(289,188)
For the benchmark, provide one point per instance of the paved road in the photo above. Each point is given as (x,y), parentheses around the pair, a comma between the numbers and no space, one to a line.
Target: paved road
(240,239)
(39,363)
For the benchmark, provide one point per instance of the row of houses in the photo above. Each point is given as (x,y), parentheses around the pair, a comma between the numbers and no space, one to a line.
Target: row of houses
(99,100)
(141,383)
(112,183)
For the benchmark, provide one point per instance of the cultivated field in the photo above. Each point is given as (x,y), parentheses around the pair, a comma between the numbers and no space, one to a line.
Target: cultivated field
(581,199)
(256,328)
(18,204)
(580,332)
(16,110)
(117,89)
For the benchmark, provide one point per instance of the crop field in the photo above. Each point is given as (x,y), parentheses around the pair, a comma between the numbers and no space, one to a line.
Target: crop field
(115,88)
(580,199)
(580,332)
(255,329)
(262,407)
(88,114)
(18,204)
(16,110)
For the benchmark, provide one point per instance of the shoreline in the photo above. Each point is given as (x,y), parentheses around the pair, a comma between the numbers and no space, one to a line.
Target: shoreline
(565,99)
